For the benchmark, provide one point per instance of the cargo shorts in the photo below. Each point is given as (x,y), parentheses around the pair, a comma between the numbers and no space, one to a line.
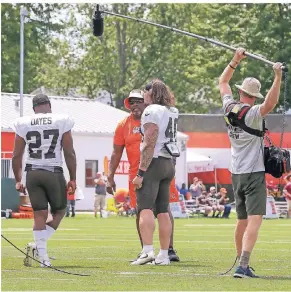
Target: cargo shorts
(250,194)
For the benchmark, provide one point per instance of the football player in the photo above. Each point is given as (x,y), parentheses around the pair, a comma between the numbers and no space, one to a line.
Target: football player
(156,170)
(127,135)
(45,135)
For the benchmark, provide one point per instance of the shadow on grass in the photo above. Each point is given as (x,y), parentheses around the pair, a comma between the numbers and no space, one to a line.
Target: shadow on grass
(76,267)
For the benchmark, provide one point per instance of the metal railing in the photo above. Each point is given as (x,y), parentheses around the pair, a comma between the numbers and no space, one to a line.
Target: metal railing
(6,165)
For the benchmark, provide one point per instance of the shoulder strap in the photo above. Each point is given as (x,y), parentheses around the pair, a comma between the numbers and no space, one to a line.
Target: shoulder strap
(230,106)
(241,122)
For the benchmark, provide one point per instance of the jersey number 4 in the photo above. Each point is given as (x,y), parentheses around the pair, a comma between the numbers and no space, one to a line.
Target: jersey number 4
(35,135)
(171,131)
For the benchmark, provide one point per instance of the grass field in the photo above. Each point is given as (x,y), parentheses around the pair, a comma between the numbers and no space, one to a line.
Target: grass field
(103,248)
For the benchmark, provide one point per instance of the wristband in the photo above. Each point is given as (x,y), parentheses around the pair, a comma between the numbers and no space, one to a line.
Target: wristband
(231,67)
(234,61)
(140,173)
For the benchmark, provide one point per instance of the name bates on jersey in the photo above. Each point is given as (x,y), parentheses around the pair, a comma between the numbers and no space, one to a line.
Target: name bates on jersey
(41,121)
(43,136)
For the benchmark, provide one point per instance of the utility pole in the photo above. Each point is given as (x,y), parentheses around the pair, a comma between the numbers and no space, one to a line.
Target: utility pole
(23,13)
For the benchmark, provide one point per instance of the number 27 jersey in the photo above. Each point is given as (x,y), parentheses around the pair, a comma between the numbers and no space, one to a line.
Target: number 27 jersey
(43,136)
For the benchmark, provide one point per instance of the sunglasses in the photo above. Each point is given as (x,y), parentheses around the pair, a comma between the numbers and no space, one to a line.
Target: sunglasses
(137,101)
(148,87)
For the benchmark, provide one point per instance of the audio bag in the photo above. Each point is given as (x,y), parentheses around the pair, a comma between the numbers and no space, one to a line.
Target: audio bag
(276,160)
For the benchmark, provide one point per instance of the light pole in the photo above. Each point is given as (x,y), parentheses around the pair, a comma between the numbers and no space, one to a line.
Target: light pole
(23,13)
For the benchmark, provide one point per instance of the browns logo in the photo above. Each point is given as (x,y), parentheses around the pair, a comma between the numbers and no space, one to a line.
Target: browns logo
(136,130)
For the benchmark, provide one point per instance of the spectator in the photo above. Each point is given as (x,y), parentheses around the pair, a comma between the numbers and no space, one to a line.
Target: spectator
(71,202)
(215,206)
(183,191)
(222,201)
(100,194)
(276,193)
(124,207)
(204,202)
(212,192)
(197,187)
(271,185)
(273,190)
(121,195)
(287,194)
(188,196)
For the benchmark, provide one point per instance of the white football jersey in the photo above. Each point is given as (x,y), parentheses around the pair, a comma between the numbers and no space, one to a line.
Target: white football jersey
(43,136)
(167,120)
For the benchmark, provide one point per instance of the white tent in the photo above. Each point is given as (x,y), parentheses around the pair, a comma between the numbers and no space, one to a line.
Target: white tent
(198,162)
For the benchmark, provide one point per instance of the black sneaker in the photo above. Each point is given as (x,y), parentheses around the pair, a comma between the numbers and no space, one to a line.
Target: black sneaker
(240,272)
(172,255)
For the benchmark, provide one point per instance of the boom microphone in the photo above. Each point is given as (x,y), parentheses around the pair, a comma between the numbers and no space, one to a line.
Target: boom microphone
(98,25)
(284,68)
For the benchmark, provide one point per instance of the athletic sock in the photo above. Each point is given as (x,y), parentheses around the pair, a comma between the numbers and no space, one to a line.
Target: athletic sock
(244,259)
(163,253)
(49,231)
(147,248)
(40,240)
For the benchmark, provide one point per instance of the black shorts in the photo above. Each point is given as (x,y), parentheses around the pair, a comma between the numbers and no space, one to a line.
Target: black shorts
(154,193)
(46,187)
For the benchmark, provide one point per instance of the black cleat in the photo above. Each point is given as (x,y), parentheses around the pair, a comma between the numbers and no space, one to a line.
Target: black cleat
(173,256)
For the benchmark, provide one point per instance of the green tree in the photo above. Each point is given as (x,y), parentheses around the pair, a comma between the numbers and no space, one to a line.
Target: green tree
(37,37)
(129,54)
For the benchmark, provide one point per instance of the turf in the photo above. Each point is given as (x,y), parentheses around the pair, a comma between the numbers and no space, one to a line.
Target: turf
(103,248)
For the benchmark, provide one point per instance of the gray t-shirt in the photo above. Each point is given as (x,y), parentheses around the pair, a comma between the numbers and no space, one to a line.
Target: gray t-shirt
(246,150)
(195,190)
(100,189)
